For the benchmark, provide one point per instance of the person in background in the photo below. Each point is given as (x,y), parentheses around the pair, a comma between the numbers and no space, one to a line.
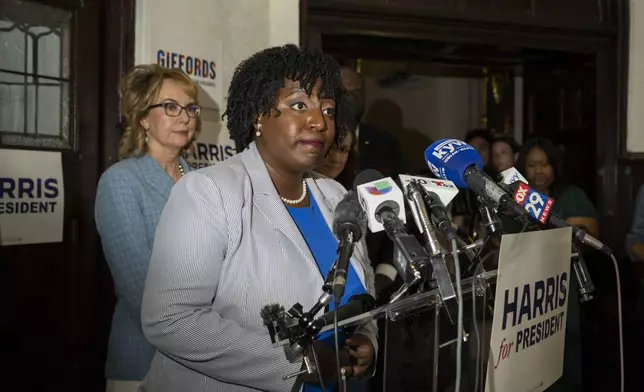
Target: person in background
(255,230)
(161,112)
(505,151)
(541,163)
(481,139)
(376,149)
(341,162)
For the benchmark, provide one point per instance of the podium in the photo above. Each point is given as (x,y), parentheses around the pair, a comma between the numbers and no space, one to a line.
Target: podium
(418,340)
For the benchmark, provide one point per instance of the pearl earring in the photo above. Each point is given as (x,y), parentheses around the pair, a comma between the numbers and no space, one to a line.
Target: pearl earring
(147,138)
(258,133)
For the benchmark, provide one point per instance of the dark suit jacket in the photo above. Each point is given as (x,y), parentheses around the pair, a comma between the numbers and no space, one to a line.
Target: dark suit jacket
(380,150)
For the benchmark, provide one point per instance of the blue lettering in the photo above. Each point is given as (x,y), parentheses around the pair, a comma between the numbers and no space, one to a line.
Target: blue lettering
(510,307)
(197,67)
(563,290)
(526,309)
(550,294)
(26,188)
(213,73)
(214,152)
(21,188)
(206,68)
(23,207)
(161,58)
(189,65)
(539,290)
(181,57)
(8,186)
(202,150)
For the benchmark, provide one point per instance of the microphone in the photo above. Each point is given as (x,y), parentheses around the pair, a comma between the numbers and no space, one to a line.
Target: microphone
(457,161)
(349,222)
(419,211)
(381,199)
(437,259)
(437,194)
(512,175)
(357,305)
(539,208)
(384,205)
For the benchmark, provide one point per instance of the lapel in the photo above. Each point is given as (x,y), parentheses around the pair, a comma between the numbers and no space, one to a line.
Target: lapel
(327,198)
(155,176)
(268,202)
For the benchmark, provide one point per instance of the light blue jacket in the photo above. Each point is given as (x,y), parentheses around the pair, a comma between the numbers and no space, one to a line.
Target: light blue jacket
(130,197)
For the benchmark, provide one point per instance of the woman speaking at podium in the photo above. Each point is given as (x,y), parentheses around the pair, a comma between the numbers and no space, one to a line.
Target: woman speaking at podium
(251,231)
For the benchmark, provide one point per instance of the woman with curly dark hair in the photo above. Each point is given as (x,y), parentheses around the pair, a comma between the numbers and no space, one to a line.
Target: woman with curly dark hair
(255,230)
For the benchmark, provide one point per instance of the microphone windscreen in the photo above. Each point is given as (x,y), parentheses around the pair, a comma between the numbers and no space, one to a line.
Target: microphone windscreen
(348,214)
(449,158)
(366,176)
(493,173)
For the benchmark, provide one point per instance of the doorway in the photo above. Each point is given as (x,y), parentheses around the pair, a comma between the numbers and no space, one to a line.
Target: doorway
(59,63)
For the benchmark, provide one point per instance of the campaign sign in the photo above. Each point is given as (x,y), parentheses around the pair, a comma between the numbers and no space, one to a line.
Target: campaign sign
(526,350)
(31,197)
(213,144)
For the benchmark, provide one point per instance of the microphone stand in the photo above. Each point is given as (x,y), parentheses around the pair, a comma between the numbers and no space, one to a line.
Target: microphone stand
(584,281)
(308,329)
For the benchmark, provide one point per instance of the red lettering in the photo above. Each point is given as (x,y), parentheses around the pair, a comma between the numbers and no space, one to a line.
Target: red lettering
(521,193)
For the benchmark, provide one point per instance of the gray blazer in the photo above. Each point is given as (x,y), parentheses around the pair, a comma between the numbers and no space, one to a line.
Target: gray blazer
(226,246)
(129,200)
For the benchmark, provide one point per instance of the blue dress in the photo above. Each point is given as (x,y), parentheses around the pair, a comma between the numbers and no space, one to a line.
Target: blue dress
(323,246)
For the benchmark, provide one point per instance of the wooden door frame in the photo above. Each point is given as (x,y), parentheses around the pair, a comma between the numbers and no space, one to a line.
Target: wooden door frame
(607,45)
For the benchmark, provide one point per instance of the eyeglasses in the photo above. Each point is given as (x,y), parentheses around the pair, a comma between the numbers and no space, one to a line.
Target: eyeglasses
(173,109)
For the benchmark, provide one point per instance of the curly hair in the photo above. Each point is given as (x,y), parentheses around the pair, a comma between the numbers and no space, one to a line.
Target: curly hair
(138,90)
(256,81)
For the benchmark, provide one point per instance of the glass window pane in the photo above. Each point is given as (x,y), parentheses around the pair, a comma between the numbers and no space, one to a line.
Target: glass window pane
(12,103)
(46,51)
(49,108)
(47,105)
(12,47)
(35,42)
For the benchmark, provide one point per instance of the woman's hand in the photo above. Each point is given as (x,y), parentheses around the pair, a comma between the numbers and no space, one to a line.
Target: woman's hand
(362,354)
(326,360)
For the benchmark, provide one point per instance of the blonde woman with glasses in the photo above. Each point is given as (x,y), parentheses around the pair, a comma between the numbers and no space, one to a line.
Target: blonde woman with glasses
(161,122)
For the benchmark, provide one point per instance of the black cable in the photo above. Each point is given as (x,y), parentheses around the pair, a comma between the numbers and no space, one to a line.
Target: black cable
(337,344)
(317,367)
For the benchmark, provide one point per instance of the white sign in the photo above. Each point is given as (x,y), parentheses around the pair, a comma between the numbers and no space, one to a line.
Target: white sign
(213,144)
(530,311)
(202,68)
(31,197)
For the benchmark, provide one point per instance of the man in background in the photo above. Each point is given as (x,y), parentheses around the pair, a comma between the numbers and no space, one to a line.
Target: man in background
(377,149)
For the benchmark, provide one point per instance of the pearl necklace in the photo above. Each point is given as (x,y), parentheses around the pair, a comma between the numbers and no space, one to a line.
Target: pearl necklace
(297,201)
(181,170)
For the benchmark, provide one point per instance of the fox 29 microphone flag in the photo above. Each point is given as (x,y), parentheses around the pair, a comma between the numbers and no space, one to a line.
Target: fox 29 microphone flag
(448,159)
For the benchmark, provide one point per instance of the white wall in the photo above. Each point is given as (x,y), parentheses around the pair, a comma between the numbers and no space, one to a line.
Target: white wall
(223,32)
(635,114)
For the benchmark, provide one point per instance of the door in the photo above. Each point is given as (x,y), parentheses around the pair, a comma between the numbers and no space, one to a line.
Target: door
(52,68)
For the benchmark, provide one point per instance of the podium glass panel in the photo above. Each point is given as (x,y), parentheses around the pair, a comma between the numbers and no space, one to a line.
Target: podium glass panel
(418,339)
